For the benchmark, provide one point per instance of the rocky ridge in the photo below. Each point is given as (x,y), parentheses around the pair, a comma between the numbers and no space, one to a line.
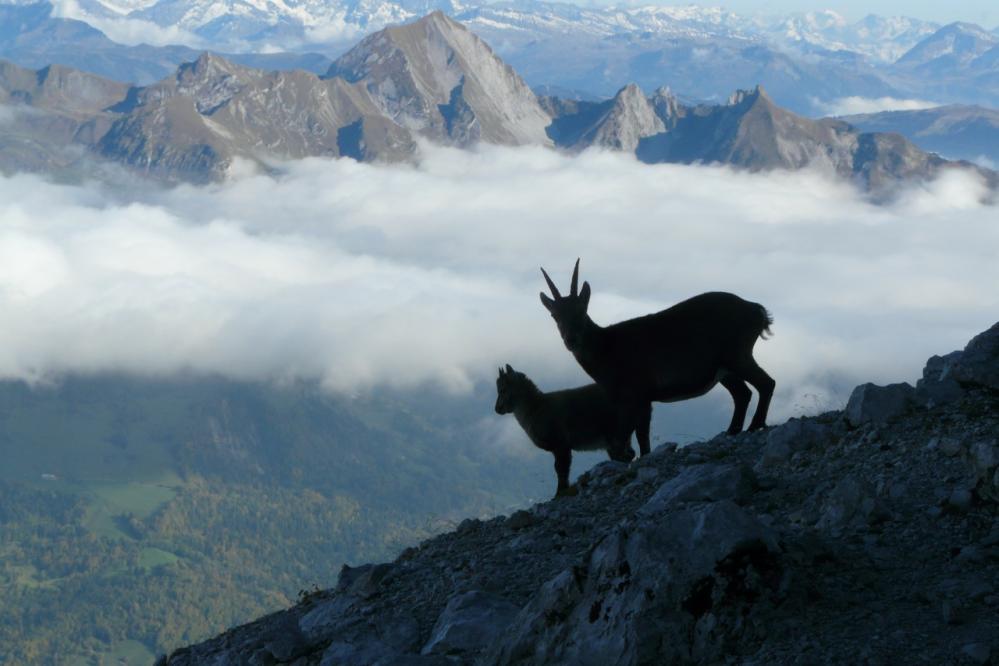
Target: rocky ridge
(869,535)
(955,131)
(750,131)
(428,80)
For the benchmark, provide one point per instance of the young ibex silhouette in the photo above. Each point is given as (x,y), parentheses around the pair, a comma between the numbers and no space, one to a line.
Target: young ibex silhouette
(578,419)
(676,354)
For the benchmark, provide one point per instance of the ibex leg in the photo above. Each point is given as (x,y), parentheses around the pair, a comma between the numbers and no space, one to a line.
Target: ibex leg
(642,427)
(741,396)
(764,385)
(563,461)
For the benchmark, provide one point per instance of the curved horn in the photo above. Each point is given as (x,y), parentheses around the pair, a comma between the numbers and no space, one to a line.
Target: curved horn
(551,285)
(573,291)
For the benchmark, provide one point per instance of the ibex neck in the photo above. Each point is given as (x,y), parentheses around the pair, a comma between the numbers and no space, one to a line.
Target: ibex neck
(529,402)
(589,352)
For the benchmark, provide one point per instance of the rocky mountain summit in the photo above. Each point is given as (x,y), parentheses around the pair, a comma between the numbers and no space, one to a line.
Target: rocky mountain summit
(437,77)
(869,535)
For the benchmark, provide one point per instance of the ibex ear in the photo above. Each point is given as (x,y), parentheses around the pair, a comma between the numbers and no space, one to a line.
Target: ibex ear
(508,368)
(547,302)
(584,295)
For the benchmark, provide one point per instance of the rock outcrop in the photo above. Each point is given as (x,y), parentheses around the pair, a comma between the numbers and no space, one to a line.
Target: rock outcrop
(827,539)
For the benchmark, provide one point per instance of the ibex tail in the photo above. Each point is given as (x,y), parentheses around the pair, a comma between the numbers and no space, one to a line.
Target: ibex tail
(766,319)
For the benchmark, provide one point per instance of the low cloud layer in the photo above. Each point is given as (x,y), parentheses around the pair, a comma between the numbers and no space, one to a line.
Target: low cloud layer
(129,31)
(361,276)
(848,106)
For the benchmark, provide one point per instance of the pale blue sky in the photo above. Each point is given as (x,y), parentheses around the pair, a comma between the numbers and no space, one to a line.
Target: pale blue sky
(982,12)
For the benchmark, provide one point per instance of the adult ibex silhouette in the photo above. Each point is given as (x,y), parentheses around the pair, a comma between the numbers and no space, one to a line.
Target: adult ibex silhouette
(676,354)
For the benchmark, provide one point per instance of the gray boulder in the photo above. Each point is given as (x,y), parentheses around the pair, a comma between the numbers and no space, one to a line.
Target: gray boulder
(363,580)
(796,435)
(851,503)
(469,622)
(360,639)
(803,434)
(774,453)
(938,385)
(979,363)
(703,483)
(659,591)
(984,461)
(870,403)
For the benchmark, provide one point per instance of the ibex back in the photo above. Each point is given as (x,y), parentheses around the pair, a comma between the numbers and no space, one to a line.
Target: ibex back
(676,354)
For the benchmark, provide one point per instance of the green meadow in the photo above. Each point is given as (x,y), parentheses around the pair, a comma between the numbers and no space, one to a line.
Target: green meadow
(140,516)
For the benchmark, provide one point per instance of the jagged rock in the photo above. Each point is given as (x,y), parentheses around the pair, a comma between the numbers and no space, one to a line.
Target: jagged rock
(852,501)
(979,363)
(870,403)
(521,519)
(800,434)
(358,638)
(651,592)
(646,474)
(362,580)
(984,460)
(339,653)
(773,454)
(796,435)
(938,385)
(469,622)
(949,446)
(703,483)
(603,474)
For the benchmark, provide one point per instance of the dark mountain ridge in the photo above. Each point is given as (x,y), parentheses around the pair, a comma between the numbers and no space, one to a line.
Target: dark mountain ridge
(866,535)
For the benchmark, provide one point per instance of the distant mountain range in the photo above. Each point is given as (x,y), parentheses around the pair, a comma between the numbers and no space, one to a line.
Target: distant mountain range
(432,78)
(955,131)
(31,37)
(805,60)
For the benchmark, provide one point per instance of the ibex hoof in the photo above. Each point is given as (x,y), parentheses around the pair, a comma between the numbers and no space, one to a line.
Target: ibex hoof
(570,491)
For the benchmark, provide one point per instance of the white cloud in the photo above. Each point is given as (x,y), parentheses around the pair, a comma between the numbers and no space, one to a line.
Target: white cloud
(332,30)
(11,114)
(986,162)
(359,275)
(129,31)
(848,106)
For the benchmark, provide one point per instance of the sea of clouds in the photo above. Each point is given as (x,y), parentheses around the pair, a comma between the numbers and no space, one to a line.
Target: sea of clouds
(362,276)
(848,106)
